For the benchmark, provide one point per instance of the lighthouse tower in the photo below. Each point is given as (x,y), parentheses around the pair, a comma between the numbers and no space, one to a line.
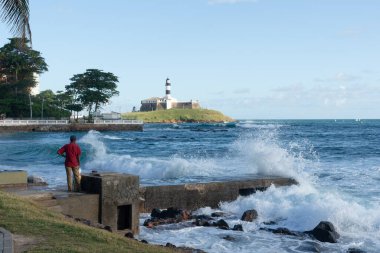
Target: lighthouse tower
(167,89)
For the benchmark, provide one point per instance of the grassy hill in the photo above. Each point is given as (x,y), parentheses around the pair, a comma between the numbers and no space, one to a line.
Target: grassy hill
(179,115)
(51,232)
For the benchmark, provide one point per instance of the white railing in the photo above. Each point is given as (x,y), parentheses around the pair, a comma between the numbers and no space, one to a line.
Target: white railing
(8,122)
(121,121)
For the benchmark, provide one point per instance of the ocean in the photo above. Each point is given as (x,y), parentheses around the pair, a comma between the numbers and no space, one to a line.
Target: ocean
(336,162)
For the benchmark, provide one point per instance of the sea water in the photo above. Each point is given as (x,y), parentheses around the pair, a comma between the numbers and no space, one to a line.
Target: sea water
(336,162)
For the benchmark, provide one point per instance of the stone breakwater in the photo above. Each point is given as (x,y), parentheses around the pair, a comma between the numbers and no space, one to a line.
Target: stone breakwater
(71,128)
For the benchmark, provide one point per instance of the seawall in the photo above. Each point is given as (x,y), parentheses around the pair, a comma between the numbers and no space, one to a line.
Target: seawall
(75,127)
(197,195)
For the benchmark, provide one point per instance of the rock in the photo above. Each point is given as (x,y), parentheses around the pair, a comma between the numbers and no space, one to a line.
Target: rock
(249,215)
(217,214)
(229,238)
(144,241)
(355,250)
(156,213)
(203,217)
(169,245)
(36,180)
(309,246)
(238,227)
(108,228)
(325,232)
(201,222)
(269,222)
(186,215)
(283,231)
(129,235)
(222,224)
(171,212)
(150,223)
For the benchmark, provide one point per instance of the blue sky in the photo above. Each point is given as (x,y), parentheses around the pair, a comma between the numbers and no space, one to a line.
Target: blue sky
(250,59)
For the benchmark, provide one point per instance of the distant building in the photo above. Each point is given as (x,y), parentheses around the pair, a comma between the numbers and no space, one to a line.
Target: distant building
(167,102)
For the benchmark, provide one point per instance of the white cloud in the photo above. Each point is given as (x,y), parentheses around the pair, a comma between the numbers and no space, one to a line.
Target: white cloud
(339,77)
(230,1)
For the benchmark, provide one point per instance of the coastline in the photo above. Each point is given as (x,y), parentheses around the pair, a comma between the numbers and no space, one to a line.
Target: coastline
(75,127)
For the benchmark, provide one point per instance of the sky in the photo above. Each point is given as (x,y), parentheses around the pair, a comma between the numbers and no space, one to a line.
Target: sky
(250,59)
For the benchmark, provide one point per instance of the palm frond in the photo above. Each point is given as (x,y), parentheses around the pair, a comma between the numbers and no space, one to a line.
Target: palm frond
(16,14)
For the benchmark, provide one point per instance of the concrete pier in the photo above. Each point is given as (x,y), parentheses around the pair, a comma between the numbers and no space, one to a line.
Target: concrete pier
(194,196)
(116,200)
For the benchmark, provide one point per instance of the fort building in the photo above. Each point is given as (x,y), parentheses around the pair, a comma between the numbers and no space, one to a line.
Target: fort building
(167,102)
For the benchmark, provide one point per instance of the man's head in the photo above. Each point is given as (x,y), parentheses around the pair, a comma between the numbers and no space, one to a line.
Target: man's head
(73,138)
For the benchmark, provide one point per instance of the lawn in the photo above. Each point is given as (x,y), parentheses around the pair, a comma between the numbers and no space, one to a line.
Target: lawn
(55,233)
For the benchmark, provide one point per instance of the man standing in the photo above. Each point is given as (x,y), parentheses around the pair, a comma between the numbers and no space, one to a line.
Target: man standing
(72,153)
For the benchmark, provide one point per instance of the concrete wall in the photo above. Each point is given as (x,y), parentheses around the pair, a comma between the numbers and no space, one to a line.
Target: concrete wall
(72,128)
(13,178)
(115,191)
(85,206)
(194,196)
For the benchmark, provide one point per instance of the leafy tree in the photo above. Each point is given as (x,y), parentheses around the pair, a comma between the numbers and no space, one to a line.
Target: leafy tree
(93,88)
(18,63)
(16,14)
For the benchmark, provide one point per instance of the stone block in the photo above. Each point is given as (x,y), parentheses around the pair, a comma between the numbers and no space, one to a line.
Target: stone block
(118,199)
(13,177)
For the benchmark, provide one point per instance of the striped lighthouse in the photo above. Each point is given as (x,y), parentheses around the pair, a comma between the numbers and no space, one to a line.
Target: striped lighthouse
(167,88)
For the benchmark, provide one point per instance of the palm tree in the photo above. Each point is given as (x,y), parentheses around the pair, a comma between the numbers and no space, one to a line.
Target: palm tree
(16,14)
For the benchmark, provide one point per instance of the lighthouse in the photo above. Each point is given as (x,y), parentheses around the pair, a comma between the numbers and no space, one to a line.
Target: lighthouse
(167,89)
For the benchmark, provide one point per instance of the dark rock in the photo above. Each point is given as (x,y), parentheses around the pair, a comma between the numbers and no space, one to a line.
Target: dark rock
(309,246)
(36,180)
(171,212)
(217,214)
(201,222)
(222,224)
(203,217)
(129,235)
(156,213)
(86,222)
(108,228)
(355,250)
(144,241)
(229,238)
(249,215)
(269,222)
(169,245)
(325,232)
(150,223)
(238,227)
(283,231)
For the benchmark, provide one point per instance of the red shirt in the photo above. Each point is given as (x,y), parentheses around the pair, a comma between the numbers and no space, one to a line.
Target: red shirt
(73,152)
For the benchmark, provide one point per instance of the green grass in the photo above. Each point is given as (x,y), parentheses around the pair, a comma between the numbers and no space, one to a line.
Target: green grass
(179,115)
(57,234)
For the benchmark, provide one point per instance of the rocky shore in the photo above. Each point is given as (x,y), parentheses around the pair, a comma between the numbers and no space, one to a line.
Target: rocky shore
(324,232)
